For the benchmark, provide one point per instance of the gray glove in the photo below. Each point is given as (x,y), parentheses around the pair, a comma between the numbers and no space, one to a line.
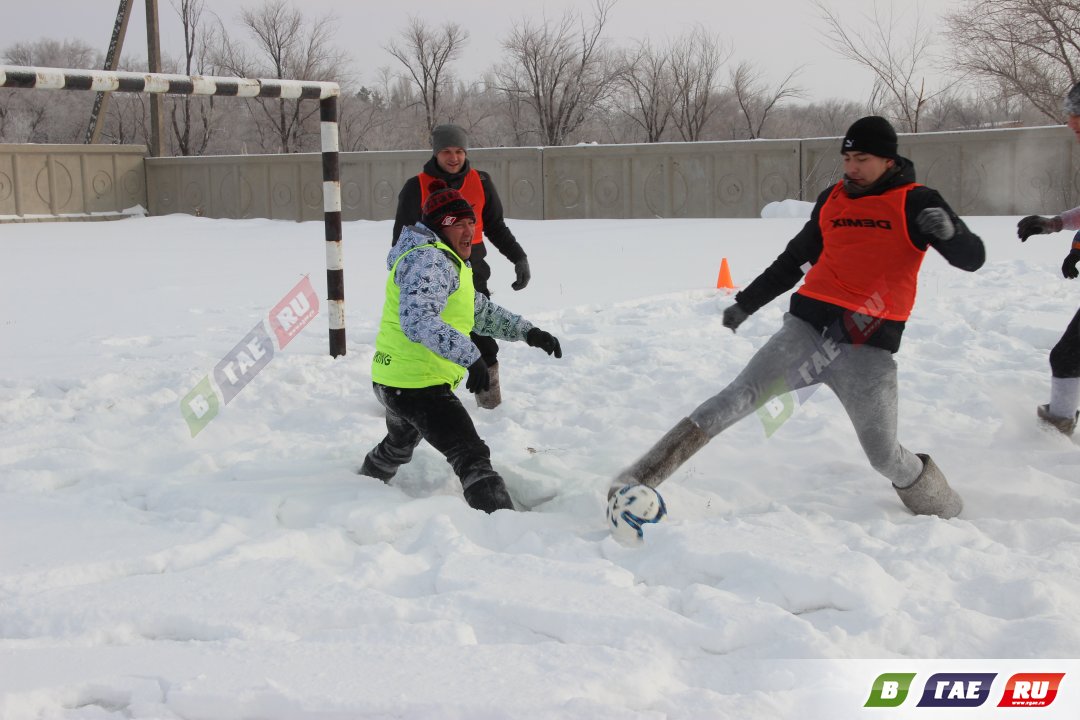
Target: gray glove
(1035,225)
(936,221)
(521,269)
(734,316)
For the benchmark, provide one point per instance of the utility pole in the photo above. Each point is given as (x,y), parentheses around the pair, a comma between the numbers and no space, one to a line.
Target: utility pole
(112,58)
(153,56)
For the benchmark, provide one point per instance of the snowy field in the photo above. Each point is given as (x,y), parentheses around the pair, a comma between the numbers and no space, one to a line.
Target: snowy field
(248,572)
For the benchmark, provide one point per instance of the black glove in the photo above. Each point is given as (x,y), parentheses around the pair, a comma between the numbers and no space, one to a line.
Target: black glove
(543,340)
(1036,225)
(1068,268)
(734,316)
(479,380)
(521,269)
(936,221)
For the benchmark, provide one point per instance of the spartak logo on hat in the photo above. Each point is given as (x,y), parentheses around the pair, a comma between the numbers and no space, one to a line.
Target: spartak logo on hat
(448,221)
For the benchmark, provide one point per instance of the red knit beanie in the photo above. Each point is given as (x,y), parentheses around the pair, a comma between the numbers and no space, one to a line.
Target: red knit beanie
(444,206)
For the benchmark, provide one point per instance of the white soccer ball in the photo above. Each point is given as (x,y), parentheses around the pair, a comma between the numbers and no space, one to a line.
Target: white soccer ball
(630,509)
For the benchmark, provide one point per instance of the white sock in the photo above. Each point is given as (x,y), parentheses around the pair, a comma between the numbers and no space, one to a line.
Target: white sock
(1064,397)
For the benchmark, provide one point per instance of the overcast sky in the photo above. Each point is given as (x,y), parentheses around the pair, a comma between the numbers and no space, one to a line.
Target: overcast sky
(779,35)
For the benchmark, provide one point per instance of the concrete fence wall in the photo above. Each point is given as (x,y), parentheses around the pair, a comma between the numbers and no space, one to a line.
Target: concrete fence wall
(983,172)
(290,186)
(77,180)
(992,172)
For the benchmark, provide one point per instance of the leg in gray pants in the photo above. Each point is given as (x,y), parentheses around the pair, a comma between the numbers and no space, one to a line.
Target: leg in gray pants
(796,357)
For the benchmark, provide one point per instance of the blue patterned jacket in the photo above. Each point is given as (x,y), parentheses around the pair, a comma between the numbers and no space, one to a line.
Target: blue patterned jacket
(427,278)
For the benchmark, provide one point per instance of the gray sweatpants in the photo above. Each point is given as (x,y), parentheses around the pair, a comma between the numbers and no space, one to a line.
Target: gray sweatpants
(796,357)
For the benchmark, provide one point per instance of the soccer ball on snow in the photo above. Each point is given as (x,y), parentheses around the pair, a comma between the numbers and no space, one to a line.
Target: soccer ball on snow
(630,508)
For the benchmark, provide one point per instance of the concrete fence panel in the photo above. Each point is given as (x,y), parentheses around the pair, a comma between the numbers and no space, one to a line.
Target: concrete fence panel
(733,179)
(77,180)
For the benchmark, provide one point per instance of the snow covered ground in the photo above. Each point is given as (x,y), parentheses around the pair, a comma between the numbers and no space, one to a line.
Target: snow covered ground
(248,572)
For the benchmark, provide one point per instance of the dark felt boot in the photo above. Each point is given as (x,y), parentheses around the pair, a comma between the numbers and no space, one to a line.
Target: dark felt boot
(489,495)
(371,470)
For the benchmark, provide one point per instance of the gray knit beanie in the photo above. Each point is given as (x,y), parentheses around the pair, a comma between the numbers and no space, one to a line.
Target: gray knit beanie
(444,136)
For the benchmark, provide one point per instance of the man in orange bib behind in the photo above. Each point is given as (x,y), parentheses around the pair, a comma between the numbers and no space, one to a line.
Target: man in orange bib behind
(865,241)
(450,163)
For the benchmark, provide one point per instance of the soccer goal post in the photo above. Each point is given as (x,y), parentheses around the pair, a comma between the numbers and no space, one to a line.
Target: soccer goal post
(325,92)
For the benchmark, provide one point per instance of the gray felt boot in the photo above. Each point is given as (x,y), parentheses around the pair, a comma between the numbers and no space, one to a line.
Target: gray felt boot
(1065,426)
(489,399)
(930,494)
(664,458)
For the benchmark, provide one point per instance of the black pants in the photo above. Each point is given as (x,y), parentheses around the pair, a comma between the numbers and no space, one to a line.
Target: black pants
(1065,357)
(436,415)
(489,349)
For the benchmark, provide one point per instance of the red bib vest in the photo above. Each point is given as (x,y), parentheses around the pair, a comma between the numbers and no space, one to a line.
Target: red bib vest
(868,263)
(473,192)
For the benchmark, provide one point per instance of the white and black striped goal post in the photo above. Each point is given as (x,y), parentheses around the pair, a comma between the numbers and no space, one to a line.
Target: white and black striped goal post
(325,92)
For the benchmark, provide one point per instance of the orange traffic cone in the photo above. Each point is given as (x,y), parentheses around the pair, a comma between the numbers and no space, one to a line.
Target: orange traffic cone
(723,280)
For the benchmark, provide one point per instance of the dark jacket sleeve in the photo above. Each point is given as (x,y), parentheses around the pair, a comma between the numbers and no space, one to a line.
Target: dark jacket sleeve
(408,207)
(495,228)
(964,250)
(786,271)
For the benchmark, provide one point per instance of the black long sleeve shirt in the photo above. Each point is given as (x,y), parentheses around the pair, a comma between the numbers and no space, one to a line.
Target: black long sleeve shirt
(495,229)
(963,250)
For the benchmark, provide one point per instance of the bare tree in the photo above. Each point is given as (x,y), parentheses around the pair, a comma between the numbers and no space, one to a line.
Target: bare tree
(53,53)
(645,75)
(127,120)
(559,71)
(362,115)
(897,62)
(287,46)
(44,116)
(756,99)
(426,55)
(1029,48)
(696,59)
(190,113)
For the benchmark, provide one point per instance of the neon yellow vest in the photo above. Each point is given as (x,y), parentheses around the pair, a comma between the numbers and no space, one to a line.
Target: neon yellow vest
(399,362)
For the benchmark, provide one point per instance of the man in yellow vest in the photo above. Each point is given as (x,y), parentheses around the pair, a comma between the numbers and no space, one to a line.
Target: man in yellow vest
(864,243)
(423,350)
(449,162)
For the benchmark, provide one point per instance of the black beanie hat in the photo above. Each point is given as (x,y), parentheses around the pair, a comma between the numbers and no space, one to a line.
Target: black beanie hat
(1072,101)
(444,206)
(444,136)
(873,135)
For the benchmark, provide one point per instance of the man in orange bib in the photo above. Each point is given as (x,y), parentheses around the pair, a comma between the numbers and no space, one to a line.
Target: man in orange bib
(449,162)
(865,241)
